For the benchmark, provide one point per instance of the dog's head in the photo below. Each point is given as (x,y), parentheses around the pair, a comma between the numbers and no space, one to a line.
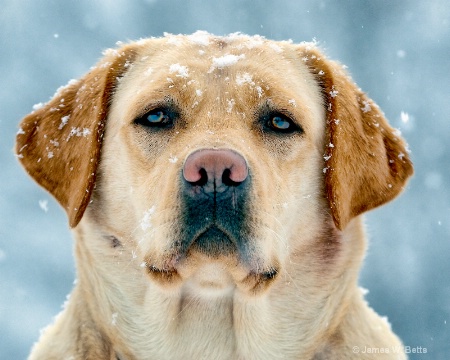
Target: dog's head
(225,154)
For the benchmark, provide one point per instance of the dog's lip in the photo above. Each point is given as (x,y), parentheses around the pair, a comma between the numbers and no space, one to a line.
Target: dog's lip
(180,269)
(164,275)
(256,282)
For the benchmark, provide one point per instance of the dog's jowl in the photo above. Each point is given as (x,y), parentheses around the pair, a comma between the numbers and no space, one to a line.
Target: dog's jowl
(215,187)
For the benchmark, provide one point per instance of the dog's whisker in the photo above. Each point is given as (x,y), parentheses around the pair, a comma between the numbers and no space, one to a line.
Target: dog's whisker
(185,307)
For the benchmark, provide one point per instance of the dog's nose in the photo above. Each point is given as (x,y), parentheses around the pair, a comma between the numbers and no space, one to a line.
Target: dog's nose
(215,170)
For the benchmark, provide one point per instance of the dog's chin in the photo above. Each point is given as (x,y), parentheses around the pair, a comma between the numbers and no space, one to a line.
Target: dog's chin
(213,268)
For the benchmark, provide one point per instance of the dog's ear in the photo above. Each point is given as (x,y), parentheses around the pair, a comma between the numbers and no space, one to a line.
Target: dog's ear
(59,143)
(366,160)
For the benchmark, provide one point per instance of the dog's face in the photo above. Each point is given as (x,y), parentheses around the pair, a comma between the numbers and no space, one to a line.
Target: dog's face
(216,162)
(218,156)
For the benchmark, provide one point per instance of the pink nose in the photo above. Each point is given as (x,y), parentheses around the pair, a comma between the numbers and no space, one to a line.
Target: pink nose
(221,167)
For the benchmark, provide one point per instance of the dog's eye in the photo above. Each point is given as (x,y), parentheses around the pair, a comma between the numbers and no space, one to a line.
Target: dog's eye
(281,124)
(157,117)
(160,118)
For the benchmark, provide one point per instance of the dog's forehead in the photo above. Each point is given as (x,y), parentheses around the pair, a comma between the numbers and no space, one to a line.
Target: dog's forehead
(187,56)
(203,57)
(236,73)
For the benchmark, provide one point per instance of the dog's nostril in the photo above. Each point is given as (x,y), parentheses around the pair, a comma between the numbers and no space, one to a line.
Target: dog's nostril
(200,178)
(226,178)
(203,180)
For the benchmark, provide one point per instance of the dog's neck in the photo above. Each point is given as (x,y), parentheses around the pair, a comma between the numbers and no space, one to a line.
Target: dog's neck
(223,327)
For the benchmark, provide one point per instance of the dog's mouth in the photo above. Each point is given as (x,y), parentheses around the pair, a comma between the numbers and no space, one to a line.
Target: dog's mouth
(213,242)
(234,266)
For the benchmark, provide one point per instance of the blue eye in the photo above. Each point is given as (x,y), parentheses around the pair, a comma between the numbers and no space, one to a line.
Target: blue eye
(280,123)
(157,118)
(276,122)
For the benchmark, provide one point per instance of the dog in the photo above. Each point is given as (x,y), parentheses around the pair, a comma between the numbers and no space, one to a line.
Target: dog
(215,187)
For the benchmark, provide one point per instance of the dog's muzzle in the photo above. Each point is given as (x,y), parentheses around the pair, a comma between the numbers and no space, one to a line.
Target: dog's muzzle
(215,202)
(215,223)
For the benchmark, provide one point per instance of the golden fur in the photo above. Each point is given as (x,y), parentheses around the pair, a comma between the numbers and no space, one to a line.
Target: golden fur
(292,292)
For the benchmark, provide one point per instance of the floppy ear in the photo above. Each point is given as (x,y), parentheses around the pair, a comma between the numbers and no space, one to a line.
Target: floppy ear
(366,160)
(59,143)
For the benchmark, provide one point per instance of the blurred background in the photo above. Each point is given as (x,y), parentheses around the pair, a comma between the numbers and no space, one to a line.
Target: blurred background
(397,51)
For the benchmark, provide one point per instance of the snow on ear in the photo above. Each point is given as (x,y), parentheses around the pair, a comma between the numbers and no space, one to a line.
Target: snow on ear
(59,142)
(366,161)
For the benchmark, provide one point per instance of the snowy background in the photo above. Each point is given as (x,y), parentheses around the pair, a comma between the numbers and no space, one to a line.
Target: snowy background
(397,51)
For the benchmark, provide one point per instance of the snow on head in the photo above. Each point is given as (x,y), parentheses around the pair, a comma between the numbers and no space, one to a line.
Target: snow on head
(64,121)
(366,108)
(333,92)
(38,106)
(225,61)
(71,82)
(173,159)
(173,39)
(146,219)
(200,38)
(276,48)
(244,78)
(179,70)
(77,131)
(149,71)
(114,319)
(244,40)
(230,105)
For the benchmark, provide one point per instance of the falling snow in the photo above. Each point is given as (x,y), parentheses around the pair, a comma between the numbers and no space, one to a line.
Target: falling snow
(404,117)
(43,204)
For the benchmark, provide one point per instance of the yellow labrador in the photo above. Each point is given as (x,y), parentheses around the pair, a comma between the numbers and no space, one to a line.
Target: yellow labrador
(215,186)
